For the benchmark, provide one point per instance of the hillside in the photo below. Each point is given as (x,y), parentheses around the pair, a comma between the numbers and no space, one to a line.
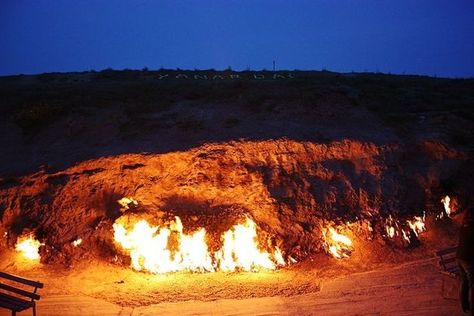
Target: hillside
(58,119)
(333,174)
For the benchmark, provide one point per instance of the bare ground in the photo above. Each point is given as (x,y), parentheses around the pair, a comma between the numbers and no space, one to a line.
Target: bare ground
(413,288)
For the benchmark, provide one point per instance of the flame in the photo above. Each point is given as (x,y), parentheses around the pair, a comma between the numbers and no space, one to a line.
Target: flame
(406,235)
(28,246)
(240,250)
(390,227)
(417,224)
(149,249)
(446,201)
(390,231)
(278,256)
(77,242)
(125,202)
(340,246)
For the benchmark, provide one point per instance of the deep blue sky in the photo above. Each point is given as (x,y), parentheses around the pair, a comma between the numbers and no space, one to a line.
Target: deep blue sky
(429,37)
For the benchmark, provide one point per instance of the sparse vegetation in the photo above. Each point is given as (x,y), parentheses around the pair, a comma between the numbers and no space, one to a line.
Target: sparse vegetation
(190,124)
(231,122)
(253,102)
(31,118)
(397,100)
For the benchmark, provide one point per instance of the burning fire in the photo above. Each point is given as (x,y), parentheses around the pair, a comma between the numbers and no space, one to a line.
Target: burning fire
(417,224)
(340,246)
(28,246)
(126,202)
(390,227)
(447,208)
(240,250)
(415,227)
(77,242)
(149,249)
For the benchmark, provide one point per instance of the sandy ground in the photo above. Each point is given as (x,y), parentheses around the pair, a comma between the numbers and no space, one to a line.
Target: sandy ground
(414,288)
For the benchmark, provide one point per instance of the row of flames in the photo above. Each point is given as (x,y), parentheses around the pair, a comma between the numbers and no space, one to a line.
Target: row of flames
(148,246)
(413,228)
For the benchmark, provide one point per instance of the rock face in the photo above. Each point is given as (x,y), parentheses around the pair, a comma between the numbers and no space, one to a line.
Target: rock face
(290,188)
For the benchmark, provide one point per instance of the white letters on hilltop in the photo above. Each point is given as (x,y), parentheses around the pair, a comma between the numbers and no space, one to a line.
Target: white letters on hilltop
(224,76)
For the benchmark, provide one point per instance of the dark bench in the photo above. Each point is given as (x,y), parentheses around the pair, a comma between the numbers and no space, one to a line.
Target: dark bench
(447,261)
(17,299)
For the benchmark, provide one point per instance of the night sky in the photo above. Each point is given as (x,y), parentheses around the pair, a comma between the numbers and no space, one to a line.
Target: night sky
(429,37)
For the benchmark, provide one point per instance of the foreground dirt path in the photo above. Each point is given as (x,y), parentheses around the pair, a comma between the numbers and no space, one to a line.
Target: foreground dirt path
(416,288)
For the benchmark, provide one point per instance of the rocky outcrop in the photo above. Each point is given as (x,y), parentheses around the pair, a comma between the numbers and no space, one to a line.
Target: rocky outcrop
(289,188)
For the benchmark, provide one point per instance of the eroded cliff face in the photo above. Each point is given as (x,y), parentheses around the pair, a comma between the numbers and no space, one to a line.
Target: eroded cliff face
(290,189)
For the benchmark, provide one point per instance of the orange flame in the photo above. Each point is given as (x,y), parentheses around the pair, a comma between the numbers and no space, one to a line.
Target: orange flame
(240,250)
(390,227)
(149,250)
(417,224)
(446,203)
(390,231)
(125,203)
(340,246)
(77,242)
(28,246)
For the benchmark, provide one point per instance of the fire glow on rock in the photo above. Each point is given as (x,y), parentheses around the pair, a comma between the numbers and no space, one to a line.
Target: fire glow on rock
(149,250)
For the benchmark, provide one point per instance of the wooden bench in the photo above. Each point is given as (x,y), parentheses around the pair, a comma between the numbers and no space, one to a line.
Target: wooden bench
(17,299)
(447,261)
